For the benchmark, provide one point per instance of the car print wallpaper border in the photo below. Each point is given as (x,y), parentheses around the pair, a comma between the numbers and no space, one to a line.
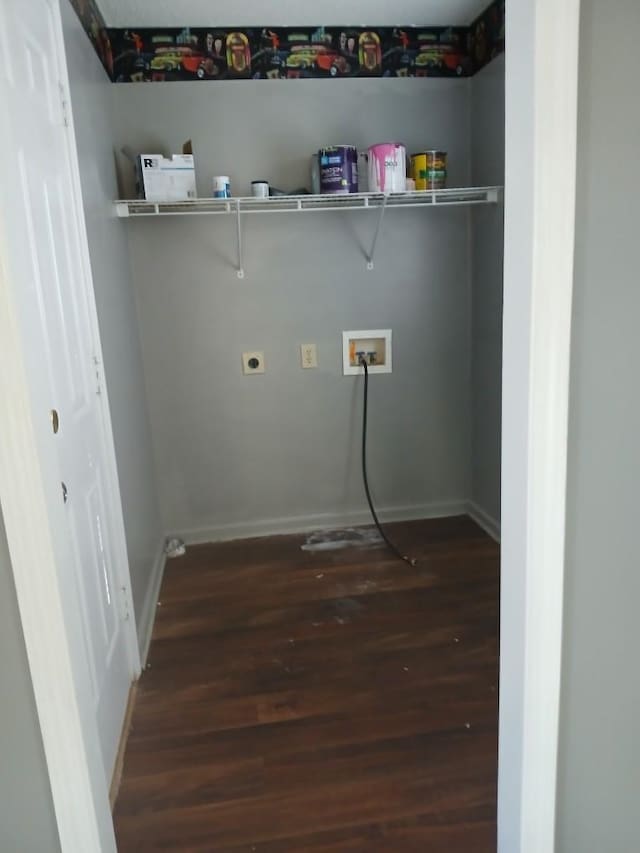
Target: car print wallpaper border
(275,53)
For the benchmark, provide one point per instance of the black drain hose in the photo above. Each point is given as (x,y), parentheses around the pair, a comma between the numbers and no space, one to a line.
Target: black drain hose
(390,545)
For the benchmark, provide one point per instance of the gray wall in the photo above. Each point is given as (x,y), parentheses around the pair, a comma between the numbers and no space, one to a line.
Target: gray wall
(487,169)
(235,454)
(92,113)
(153,13)
(27,819)
(599,767)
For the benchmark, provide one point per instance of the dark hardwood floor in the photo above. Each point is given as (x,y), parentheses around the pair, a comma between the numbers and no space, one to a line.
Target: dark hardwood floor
(315,701)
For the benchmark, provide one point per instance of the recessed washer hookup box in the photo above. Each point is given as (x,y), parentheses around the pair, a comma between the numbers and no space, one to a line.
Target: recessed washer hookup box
(160,178)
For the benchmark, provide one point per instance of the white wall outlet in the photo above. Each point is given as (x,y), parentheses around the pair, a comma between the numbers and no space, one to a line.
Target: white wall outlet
(308,355)
(252,363)
(374,345)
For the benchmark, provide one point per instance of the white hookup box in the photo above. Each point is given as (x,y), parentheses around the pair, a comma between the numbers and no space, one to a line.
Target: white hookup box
(161,178)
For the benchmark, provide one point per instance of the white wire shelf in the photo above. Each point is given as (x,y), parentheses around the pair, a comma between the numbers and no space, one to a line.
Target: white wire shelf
(309,203)
(380,202)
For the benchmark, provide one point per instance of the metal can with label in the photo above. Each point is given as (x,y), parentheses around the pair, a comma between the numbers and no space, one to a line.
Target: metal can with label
(429,170)
(387,168)
(338,166)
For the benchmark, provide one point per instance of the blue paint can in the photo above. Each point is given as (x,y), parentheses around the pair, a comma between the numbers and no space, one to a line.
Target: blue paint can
(338,169)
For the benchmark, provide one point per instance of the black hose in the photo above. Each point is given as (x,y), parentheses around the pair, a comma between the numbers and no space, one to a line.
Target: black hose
(390,545)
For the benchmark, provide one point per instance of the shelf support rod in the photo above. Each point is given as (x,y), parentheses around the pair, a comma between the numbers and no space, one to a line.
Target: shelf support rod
(371,254)
(239,233)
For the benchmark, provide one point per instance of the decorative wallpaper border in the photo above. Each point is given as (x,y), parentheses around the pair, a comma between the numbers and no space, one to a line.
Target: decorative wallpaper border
(292,53)
(264,53)
(95,27)
(487,35)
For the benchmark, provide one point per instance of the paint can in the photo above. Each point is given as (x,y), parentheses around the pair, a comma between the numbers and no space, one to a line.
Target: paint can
(338,169)
(315,174)
(387,168)
(260,189)
(221,186)
(429,170)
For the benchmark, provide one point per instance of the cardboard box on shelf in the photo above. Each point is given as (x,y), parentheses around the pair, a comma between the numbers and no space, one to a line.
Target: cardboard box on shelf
(160,178)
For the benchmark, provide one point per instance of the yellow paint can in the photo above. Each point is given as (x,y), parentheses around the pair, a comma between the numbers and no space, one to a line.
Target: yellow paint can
(429,170)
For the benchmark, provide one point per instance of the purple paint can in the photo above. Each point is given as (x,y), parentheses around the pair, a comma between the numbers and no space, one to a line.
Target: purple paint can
(338,169)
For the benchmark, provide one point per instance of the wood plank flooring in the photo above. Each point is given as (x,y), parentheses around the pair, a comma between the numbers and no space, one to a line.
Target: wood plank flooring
(315,701)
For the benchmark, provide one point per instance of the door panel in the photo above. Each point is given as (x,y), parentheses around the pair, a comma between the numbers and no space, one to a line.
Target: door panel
(44,255)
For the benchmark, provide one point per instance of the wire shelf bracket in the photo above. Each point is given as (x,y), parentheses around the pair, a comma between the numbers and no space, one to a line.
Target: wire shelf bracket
(371,254)
(240,269)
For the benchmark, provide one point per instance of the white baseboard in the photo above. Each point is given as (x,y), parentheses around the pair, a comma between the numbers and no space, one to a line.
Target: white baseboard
(324,521)
(489,524)
(149,608)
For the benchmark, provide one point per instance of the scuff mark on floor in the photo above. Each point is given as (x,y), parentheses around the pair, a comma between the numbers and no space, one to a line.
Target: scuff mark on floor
(349,606)
(366,586)
(349,537)
(345,609)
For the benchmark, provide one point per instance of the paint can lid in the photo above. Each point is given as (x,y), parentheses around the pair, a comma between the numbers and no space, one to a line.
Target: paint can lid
(338,148)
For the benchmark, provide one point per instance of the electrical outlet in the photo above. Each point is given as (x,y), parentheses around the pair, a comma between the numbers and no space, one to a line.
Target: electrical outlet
(252,362)
(308,355)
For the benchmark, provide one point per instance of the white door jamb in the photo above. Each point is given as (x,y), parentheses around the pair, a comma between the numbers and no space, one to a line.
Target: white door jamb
(541,130)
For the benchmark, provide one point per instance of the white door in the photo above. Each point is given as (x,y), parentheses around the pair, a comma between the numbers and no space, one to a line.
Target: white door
(44,258)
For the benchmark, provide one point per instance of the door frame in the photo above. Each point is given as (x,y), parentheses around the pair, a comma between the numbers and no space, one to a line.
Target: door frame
(540,182)
(32,510)
(541,106)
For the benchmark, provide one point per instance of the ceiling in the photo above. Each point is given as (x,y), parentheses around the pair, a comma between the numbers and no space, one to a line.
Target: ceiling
(289,13)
